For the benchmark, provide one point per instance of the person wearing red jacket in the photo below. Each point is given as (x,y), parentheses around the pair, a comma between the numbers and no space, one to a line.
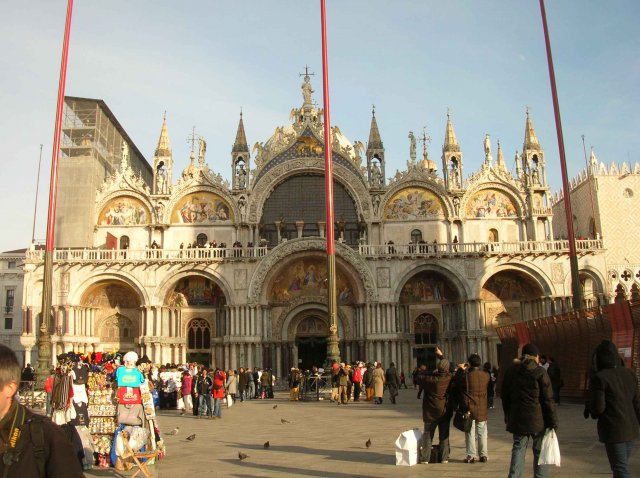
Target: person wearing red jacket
(218,392)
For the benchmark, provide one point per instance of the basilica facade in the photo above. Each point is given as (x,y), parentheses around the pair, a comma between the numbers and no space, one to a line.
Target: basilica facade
(187,266)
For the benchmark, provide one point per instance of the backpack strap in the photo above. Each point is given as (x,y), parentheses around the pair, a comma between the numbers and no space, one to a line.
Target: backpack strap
(36,430)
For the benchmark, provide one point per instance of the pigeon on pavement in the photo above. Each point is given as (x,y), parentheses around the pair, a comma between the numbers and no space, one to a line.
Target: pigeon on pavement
(242,456)
(282,420)
(191,437)
(266,445)
(175,431)
(275,406)
(368,443)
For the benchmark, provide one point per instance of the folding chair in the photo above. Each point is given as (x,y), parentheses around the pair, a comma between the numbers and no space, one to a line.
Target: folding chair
(136,456)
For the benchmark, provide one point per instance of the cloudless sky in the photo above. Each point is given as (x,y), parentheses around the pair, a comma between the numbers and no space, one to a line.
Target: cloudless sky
(202,61)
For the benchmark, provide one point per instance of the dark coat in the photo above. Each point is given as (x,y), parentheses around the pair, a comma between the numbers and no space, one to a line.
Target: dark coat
(434,400)
(242,381)
(613,397)
(527,399)
(60,460)
(474,395)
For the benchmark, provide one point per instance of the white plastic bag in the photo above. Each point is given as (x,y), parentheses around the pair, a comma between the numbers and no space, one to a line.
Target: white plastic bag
(180,404)
(407,446)
(229,401)
(550,449)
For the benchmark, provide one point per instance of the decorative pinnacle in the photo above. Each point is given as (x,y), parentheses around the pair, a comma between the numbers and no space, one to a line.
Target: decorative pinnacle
(192,139)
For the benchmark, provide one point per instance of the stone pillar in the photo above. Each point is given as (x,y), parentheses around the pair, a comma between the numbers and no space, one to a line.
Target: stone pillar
(277,223)
(234,357)
(258,362)
(299,227)
(294,358)
(226,359)
(322,228)
(394,353)
(249,362)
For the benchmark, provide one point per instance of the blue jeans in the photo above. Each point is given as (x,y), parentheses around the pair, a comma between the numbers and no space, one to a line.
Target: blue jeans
(518,452)
(251,391)
(618,454)
(479,429)
(204,404)
(442,424)
(217,411)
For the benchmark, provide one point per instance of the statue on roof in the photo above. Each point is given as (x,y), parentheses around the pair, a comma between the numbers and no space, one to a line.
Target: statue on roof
(412,147)
(307,90)
(487,146)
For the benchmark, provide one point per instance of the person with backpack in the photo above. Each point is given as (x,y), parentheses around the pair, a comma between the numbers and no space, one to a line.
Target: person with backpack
(31,445)
(529,409)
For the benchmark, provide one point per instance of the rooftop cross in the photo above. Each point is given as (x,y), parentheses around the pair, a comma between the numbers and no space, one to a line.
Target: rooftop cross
(424,139)
(192,139)
(306,72)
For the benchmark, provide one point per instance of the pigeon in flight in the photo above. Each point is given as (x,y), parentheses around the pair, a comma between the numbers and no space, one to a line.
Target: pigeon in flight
(242,456)
(191,437)
(175,431)
(266,445)
(368,443)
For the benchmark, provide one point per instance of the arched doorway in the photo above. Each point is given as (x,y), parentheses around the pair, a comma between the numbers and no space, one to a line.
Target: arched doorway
(311,341)
(199,342)
(425,331)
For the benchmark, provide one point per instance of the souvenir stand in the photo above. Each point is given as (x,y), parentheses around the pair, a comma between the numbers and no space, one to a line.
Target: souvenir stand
(87,394)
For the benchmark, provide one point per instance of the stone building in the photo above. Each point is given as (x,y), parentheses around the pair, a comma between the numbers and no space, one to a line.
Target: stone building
(11,286)
(603,199)
(188,266)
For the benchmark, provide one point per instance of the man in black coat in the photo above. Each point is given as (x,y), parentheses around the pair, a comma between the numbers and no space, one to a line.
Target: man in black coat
(615,401)
(392,381)
(31,445)
(529,409)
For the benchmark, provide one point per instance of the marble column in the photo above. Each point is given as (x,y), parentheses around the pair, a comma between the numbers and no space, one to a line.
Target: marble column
(234,357)
(299,227)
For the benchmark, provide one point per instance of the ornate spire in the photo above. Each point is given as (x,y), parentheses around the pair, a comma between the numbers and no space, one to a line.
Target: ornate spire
(530,138)
(450,140)
(500,163)
(164,146)
(240,146)
(375,142)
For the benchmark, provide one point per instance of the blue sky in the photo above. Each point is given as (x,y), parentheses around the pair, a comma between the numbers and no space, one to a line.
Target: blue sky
(202,61)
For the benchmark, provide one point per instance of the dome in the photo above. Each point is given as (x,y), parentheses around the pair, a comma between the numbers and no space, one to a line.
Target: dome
(428,165)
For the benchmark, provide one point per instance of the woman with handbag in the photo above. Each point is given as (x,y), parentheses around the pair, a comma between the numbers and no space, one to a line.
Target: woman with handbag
(473,383)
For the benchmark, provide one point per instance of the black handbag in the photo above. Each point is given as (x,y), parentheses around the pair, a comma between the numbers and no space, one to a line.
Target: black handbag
(462,421)
(462,418)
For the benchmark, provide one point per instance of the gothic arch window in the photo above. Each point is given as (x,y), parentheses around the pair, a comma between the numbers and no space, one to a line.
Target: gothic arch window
(493,235)
(416,236)
(201,239)
(124,242)
(199,334)
(116,328)
(425,329)
(620,294)
(635,292)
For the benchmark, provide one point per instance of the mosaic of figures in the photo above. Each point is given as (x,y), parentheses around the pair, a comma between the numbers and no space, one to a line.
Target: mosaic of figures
(490,203)
(199,208)
(124,211)
(427,287)
(509,285)
(110,295)
(197,291)
(413,203)
(308,277)
(312,326)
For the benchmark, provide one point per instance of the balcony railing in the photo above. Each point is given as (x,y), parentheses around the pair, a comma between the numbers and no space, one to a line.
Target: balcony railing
(366,250)
(8,309)
(478,248)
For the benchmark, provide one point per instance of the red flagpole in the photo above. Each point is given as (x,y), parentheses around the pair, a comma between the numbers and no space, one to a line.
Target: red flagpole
(576,287)
(44,342)
(333,352)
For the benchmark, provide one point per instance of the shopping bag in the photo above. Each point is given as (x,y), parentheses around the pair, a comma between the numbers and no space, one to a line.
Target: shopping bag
(407,447)
(180,404)
(550,449)
(229,401)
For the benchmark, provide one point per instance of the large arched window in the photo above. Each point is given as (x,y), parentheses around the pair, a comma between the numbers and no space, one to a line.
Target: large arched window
(199,335)
(301,198)
(426,329)
(416,236)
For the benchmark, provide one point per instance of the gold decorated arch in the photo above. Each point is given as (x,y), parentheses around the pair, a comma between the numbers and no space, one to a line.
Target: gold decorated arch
(201,208)
(307,277)
(413,203)
(490,203)
(111,295)
(124,211)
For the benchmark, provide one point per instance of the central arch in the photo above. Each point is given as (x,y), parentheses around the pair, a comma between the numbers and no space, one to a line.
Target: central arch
(311,336)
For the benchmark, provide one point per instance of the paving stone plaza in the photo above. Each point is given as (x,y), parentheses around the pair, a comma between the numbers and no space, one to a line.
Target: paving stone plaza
(327,440)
